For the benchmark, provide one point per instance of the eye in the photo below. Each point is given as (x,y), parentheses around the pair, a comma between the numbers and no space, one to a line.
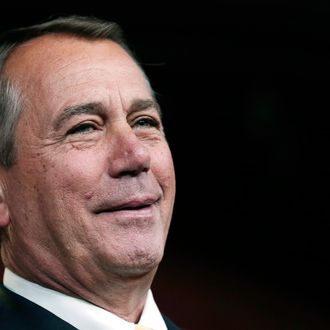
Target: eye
(83,128)
(146,122)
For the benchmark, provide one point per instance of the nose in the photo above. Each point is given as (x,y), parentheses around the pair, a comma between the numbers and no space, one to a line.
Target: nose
(128,154)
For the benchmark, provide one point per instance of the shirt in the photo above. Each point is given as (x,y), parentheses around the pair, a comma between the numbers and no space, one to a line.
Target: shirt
(80,313)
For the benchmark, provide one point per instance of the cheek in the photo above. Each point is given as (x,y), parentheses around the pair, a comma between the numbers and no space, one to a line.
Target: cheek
(163,168)
(76,171)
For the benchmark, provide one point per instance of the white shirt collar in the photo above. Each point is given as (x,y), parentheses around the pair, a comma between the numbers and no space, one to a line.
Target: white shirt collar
(80,313)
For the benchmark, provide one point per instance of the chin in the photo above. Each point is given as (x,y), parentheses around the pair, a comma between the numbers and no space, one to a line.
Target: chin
(140,263)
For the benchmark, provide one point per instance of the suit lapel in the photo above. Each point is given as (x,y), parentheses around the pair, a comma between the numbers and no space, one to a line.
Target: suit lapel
(19,313)
(170,325)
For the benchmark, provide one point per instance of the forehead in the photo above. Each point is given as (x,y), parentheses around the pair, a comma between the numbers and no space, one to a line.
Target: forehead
(60,66)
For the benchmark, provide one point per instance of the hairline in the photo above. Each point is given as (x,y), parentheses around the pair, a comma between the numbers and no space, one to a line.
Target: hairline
(112,33)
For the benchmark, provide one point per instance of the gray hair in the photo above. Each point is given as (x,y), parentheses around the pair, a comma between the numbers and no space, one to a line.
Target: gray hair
(11,100)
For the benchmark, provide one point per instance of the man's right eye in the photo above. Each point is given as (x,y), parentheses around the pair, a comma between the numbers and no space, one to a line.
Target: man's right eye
(84,128)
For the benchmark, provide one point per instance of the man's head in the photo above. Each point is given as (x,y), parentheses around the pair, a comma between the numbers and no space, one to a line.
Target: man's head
(87,181)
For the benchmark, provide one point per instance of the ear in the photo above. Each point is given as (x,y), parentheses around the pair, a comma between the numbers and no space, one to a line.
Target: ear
(4,211)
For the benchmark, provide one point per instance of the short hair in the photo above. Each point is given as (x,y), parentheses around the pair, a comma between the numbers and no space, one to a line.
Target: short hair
(11,100)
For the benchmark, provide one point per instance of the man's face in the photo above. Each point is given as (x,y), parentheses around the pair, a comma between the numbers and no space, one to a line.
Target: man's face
(93,187)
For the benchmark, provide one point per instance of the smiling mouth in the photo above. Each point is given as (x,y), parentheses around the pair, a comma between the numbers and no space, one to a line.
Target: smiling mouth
(129,206)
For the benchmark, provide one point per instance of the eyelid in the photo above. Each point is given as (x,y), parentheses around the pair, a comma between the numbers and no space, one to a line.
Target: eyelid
(89,122)
(150,112)
(154,121)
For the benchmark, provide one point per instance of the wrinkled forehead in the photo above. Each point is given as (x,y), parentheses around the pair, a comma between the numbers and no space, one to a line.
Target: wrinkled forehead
(59,61)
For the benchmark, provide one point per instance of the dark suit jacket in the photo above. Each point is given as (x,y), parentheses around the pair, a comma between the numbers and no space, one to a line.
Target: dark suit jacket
(18,313)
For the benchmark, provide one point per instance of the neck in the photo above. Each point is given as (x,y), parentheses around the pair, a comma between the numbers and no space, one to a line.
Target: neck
(124,296)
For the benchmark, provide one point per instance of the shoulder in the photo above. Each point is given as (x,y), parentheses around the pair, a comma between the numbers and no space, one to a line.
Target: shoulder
(17,312)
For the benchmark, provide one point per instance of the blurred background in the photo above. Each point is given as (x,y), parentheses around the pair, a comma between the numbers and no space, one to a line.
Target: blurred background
(244,87)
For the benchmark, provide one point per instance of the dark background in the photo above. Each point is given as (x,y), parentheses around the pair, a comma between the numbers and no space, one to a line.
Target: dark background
(244,88)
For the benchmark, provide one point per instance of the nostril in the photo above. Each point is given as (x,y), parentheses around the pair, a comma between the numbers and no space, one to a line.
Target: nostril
(134,172)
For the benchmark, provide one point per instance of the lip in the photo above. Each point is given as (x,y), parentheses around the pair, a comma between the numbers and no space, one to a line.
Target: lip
(137,205)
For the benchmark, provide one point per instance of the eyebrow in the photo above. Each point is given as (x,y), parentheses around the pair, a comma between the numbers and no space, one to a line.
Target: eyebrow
(96,108)
(141,104)
(92,108)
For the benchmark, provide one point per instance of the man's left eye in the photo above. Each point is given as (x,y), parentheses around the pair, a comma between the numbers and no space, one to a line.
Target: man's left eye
(147,122)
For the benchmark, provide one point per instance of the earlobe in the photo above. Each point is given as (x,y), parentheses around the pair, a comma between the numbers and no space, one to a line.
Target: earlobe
(4,211)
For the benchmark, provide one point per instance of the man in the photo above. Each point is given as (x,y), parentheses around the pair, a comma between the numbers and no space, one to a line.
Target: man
(87,182)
